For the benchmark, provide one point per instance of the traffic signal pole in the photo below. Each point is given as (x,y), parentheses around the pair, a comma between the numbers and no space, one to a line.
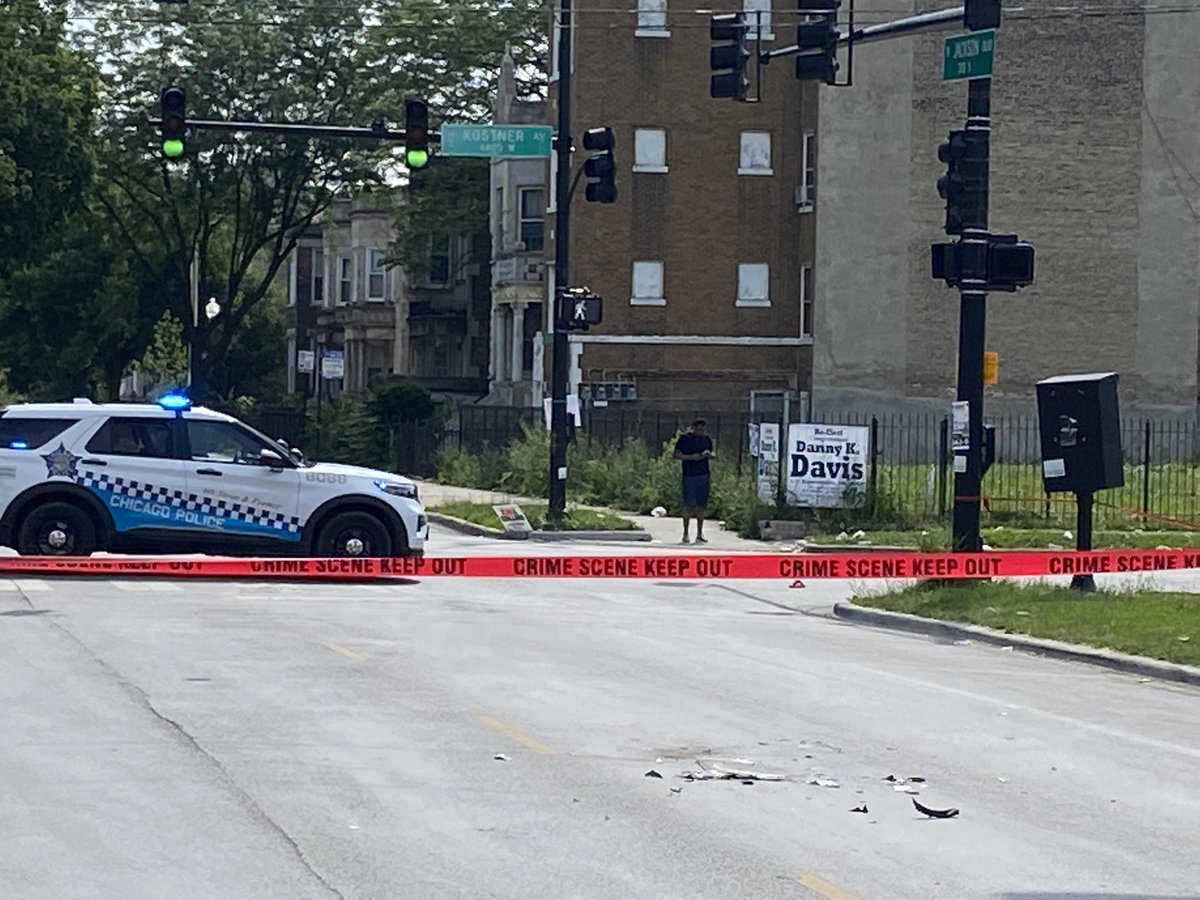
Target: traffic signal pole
(560,374)
(972,322)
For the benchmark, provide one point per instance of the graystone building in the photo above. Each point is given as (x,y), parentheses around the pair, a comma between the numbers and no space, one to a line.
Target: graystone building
(1095,159)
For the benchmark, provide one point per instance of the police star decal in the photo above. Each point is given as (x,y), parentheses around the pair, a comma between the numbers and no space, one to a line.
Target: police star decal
(61,462)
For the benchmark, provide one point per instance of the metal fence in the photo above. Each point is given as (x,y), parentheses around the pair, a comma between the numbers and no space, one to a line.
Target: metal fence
(911,469)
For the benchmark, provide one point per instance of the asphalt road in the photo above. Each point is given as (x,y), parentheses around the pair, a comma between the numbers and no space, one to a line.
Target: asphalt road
(230,740)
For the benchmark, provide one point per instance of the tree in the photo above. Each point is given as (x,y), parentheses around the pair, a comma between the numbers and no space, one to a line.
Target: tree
(47,93)
(164,365)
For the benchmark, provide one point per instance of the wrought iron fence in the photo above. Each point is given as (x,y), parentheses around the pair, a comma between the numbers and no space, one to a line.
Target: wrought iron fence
(910,453)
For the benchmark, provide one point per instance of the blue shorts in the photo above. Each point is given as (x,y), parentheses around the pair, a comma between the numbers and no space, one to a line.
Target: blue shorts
(695,490)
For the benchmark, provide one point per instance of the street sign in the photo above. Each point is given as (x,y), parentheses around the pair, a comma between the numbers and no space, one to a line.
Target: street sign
(512,141)
(969,55)
(333,364)
(305,360)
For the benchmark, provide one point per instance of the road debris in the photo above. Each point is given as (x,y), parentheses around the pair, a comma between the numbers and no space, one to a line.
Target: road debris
(912,779)
(860,809)
(501,756)
(652,774)
(935,813)
(906,788)
(961,643)
(676,790)
(824,782)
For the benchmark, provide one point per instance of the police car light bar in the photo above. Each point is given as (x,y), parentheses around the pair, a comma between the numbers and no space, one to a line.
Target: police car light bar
(18,445)
(175,402)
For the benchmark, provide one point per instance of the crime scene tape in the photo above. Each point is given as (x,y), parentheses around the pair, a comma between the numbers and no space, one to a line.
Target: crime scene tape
(883,564)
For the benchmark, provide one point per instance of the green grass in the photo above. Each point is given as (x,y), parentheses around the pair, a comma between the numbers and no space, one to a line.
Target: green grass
(937,537)
(578,519)
(1146,623)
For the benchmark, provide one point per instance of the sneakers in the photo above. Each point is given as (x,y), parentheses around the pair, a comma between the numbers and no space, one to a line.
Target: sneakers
(685,540)
(700,540)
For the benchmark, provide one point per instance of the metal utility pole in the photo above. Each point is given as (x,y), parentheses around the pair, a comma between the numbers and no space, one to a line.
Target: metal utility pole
(561,366)
(973,285)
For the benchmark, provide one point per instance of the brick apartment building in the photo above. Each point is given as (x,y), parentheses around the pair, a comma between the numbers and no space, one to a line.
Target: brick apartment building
(1095,158)
(706,259)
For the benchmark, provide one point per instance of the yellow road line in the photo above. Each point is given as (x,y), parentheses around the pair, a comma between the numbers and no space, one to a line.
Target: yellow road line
(824,888)
(343,651)
(514,735)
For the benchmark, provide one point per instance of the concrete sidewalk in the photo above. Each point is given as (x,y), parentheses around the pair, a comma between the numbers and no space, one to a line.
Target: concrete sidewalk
(665,530)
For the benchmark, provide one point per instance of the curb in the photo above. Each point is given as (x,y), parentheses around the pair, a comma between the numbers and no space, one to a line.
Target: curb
(462,526)
(1109,659)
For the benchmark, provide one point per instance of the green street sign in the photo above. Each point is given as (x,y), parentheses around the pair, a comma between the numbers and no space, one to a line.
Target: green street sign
(969,55)
(513,141)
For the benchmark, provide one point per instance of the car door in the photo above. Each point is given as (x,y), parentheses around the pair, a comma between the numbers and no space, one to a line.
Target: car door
(238,497)
(132,463)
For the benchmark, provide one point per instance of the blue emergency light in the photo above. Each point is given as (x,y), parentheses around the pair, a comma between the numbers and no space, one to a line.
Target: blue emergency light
(175,402)
(18,445)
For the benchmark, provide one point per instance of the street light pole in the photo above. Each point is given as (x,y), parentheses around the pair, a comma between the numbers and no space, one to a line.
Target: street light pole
(561,365)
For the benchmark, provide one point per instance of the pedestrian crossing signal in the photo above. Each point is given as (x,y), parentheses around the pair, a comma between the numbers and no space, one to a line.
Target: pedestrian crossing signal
(583,308)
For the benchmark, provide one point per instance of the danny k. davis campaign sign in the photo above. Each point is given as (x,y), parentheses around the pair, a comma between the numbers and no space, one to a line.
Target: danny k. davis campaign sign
(827,465)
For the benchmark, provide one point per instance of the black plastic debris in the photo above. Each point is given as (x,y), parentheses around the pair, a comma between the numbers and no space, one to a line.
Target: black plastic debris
(860,809)
(652,774)
(935,813)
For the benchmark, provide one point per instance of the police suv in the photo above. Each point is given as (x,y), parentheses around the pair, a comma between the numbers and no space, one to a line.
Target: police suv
(159,478)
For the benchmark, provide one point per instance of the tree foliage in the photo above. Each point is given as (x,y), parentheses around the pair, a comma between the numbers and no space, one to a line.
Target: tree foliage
(47,93)
(164,365)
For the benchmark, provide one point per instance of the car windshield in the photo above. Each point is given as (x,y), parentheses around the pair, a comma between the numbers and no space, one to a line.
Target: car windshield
(277,445)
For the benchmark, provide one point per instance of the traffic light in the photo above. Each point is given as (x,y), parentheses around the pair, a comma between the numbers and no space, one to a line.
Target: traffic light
(964,186)
(819,32)
(979,15)
(416,134)
(600,166)
(728,60)
(173,112)
(1010,263)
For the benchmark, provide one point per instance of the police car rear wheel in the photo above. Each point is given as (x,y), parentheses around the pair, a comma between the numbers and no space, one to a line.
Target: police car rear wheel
(57,529)
(354,534)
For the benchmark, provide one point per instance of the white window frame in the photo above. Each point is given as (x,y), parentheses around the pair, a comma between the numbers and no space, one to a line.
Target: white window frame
(345,274)
(751,7)
(376,270)
(641,148)
(747,295)
(745,155)
(806,300)
(808,172)
(646,267)
(316,264)
(652,19)
(522,218)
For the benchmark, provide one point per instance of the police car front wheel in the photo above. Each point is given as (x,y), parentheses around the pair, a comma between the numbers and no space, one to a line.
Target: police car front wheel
(56,529)
(353,534)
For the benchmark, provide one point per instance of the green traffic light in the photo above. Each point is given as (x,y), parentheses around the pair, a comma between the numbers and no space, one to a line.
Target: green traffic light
(416,159)
(172,147)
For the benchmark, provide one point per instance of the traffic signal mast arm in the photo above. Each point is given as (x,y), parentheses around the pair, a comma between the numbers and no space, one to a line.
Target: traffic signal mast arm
(331,131)
(941,20)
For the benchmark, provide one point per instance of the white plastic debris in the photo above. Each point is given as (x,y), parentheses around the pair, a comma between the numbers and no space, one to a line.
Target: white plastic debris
(824,782)
(961,643)
(906,788)
(842,536)
(859,535)
(658,512)
(501,756)
(1068,536)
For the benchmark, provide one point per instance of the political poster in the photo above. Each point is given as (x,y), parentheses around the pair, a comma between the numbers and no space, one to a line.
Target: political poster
(827,465)
(767,464)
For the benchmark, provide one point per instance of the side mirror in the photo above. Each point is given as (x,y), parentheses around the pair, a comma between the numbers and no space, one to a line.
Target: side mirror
(270,458)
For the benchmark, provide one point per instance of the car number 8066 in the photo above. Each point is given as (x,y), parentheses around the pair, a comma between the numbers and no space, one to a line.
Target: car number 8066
(325,477)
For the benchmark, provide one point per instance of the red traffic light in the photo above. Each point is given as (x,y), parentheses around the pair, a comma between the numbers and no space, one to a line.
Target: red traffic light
(174,113)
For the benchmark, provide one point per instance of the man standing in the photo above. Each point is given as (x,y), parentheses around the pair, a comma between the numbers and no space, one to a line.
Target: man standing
(694,448)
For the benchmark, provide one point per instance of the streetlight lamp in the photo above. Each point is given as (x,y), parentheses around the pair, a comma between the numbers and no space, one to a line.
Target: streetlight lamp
(212,309)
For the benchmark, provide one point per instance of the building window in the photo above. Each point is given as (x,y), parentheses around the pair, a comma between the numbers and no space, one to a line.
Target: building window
(439,264)
(754,284)
(375,274)
(650,150)
(755,156)
(753,8)
(647,284)
(318,277)
(345,279)
(533,219)
(652,18)
(808,172)
(807,291)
